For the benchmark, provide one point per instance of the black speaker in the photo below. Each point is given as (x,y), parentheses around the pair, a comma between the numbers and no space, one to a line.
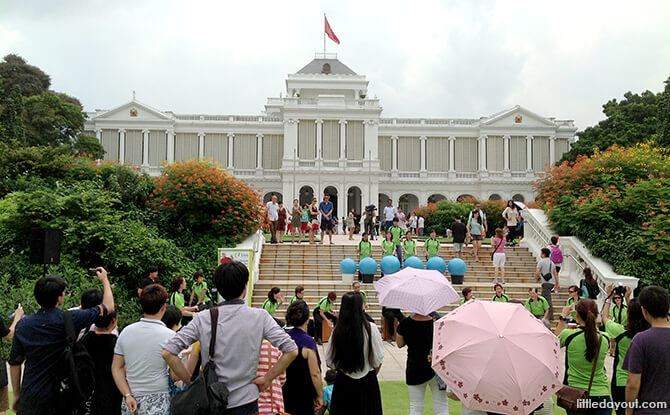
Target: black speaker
(45,246)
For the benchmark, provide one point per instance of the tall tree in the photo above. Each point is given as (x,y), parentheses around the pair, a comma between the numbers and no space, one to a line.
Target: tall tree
(11,116)
(31,80)
(664,116)
(51,120)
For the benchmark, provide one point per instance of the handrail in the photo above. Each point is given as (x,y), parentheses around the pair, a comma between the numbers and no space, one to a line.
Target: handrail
(537,235)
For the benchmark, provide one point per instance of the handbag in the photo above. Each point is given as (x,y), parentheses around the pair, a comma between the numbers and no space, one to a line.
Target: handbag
(205,395)
(496,248)
(568,397)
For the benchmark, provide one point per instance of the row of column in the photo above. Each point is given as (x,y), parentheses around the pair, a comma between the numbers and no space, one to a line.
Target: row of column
(481,148)
(319,138)
(170,147)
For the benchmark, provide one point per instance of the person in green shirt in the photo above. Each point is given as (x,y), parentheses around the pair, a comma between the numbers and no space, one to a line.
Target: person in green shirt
(499,295)
(299,294)
(274,300)
(324,312)
(538,306)
(409,245)
(388,247)
(432,245)
(357,289)
(177,299)
(574,297)
(581,348)
(467,295)
(364,247)
(619,310)
(622,335)
(200,290)
(397,234)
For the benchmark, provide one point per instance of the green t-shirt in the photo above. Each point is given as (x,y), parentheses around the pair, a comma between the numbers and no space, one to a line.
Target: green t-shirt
(432,247)
(305,215)
(573,315)
(537,308)
(579,369)
(365,295)
(177,300)
(475,227)
(270,307)
(614,329)
(197,289)
(294,299)
(387,248)
(620,315)
(503,298)
(365,247)
(397,233)
(324,305)
(409,246)
(463,300)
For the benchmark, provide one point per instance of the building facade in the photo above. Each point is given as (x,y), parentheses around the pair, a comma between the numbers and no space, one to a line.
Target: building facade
(325,134)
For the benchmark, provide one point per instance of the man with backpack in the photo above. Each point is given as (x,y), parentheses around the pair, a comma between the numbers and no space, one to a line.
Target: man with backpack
(546,274)
(40,342)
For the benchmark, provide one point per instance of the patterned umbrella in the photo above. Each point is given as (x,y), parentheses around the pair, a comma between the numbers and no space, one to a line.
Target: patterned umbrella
(420,291)
(497,357)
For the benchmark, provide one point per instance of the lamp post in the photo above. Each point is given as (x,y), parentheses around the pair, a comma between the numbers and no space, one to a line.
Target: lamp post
(294,163)
(369,177)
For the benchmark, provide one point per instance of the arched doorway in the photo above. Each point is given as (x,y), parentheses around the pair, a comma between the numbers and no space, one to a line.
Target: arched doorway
(464,197)
(306,195)
(268,197)
(354,200)
(436,198)
(408,202)
(495,196)
(383,199)
(518,197)
(332,192)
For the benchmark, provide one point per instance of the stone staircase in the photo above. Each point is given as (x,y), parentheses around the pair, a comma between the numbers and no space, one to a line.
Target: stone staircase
(317,269)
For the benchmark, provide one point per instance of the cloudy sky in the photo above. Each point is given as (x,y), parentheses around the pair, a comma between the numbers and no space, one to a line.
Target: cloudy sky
(423,59)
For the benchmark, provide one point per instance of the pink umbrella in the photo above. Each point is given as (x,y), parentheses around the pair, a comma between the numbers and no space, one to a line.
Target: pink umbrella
(420,291)
(497,357)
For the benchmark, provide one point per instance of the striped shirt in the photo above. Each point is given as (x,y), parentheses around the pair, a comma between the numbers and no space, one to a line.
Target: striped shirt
(271,400)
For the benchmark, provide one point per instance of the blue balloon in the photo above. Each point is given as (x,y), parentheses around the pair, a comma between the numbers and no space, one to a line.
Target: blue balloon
(437,264)
(414,262)
(348,266)
(390,264)
(367,266)
(457,267)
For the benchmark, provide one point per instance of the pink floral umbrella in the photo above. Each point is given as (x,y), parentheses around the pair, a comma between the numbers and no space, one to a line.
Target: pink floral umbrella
(497,357)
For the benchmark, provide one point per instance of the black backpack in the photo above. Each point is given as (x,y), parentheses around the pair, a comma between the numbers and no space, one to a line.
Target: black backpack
(75,380)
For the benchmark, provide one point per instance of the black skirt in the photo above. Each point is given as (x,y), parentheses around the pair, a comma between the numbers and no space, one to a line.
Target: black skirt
(356,396)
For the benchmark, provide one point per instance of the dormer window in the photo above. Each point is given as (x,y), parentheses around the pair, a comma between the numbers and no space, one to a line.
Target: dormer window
(325,68)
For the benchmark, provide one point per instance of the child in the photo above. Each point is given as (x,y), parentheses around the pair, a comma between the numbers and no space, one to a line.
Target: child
(271,400)
(556,254)
(328,390)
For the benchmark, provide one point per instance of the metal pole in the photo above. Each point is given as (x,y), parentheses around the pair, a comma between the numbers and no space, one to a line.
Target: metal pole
(318,164)
(369,177)
(324,35)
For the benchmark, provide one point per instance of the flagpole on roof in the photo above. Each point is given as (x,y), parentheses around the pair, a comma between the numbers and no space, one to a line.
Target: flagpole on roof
(324,35)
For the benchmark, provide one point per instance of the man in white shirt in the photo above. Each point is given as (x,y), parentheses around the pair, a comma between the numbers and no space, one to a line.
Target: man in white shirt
(390,212)
(421,222)
(478,206)
(272,209)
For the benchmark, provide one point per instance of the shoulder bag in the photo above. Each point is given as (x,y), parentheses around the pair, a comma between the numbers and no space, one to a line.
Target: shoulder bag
(205,395)
(496,248)
(568,397)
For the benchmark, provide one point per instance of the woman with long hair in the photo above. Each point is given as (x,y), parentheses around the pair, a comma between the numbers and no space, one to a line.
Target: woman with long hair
(416,332)
(296,226)
(350,223)
(356,351)
(583,345)
(511,216)
(313,220)
(498,243)
(475,226)
(281,222)
(178,299)
(274,300)
(573,298)
(303,390)
(622,335)
(589,285)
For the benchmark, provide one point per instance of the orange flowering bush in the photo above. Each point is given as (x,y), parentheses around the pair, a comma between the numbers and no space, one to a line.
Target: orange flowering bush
(200,197)
(617,203)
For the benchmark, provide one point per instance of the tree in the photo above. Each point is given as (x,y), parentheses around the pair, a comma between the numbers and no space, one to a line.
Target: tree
(663,138)
(629,121)
(89,146)
(51,120)
(30,79)
(11,121)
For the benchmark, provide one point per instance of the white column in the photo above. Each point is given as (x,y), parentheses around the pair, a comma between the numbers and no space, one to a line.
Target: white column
(122,145)
(506,139)
(259,148)
(319,138)
(394,153)
(343,140)
(231,144)
(290,139)
(170,145)
(529,153)
(423,139)
(482,152)
(452,154)
(201,146)
(145,147)
(98,135)
(552,150)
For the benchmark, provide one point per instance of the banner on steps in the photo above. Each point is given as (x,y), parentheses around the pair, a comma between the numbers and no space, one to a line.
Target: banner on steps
(245,256)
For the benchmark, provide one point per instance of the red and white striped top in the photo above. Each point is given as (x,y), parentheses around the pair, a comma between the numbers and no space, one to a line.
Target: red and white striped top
(270,401)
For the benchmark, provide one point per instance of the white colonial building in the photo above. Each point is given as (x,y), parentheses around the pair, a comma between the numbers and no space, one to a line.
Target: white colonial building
(327,135)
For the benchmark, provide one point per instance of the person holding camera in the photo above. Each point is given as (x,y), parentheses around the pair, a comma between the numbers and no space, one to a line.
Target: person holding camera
(546,270)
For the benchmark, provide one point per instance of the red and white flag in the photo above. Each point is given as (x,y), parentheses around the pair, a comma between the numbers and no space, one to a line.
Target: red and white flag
(330,32)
